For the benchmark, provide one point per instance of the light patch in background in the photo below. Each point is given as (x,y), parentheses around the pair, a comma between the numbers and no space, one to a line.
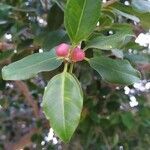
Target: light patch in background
(15,51)
(9,85)
(127,90)
(40,50)
(8,37)
(142,86)
(98,24)
(133,102)
(127,3)
(50,137)
(41,21)
(43,143)
(143,40)
(104,1)
(147,86)
(111,32)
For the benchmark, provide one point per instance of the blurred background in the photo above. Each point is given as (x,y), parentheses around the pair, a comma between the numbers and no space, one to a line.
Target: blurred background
(113,118)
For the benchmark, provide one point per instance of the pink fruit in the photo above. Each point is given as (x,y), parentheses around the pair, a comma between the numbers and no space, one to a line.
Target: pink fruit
(77,55)
(62,50)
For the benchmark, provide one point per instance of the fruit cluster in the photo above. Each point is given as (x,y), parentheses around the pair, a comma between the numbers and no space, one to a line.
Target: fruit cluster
(64,51)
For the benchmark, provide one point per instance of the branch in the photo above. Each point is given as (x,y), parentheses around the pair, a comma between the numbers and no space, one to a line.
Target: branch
(25,91)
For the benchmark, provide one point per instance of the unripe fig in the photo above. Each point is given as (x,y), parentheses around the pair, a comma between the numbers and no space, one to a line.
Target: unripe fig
(77,55)
(62,50)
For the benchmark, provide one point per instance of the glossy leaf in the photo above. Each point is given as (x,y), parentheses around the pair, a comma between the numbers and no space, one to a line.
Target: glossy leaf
(31,65)
(115,71)
(108,42)
(62,104)
(129,12)
(81,17)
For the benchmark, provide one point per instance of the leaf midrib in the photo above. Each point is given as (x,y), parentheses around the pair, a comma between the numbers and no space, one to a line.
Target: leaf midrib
(63,96)
(116,70)
(80,20)
(34,65)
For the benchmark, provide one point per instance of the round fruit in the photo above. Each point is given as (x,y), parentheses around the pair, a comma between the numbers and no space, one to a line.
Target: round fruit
(77,55)
(62,50)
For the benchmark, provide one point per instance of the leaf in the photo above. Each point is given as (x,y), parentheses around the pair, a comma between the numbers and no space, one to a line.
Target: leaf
(138,58)
(4,7)
(62,104)
(118,53)
(81,17)
(55,17)
(128,120)
(142,5)
(129,16)
(51,39)
(115,140)
(54,38)
(115,71)
(31,65)
(132,45)
(108,42)
(105,20)
(129,12)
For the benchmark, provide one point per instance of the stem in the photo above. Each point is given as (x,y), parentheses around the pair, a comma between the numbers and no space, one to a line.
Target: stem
(87,59)
(65,67)
(85,48)
(71,68)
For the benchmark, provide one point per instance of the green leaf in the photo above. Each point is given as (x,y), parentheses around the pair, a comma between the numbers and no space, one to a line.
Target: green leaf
(31,65)
(129,12)
(81,17)
(55,22)
(129,16)
(105,20)
(132,45)
(62,104)
(115,71)
(142,5)
(138,58)
(48,40)
(127,120)
(108,42)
